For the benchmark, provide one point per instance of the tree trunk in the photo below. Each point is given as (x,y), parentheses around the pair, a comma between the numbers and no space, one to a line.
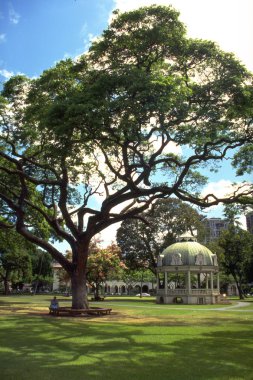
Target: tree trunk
(141,284)
(79,289)
(96,293)
(239,287)
(78,283)
(36,286)
(78,278)
(241,295)
(6,286)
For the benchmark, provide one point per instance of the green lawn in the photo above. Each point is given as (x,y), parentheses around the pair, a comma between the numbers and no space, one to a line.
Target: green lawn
(139,341)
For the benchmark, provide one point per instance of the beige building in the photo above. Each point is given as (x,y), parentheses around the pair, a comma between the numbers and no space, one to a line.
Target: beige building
(56,282)
(113,287)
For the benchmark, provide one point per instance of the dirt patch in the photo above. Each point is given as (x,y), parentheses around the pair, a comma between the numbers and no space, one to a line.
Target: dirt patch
(121,317)
(115,316)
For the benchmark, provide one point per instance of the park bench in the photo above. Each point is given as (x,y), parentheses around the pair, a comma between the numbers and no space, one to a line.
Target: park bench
(74,312)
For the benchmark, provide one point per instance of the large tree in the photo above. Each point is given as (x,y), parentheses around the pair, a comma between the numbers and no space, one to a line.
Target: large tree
(142,240)
(90,142)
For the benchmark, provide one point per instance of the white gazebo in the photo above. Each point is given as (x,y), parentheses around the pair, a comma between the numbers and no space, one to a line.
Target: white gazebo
(188,273)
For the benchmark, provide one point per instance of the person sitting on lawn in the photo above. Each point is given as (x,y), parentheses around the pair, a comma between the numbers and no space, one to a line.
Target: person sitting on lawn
(54,304)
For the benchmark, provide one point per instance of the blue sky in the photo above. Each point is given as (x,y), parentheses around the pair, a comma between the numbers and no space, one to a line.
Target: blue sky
(35,34)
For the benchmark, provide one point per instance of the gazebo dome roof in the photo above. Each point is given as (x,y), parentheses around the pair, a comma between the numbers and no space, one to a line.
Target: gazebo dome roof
(187,251)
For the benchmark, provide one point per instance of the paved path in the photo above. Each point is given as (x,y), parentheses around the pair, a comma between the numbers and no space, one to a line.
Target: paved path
(239,306)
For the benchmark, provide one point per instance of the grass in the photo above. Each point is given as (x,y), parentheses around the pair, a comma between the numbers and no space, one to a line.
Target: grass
(139,341)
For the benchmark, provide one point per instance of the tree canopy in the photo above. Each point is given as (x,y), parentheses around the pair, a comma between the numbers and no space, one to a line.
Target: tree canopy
(15,259)
(142,240)
(42,270)
(96,140)
(103,263)
(236,259)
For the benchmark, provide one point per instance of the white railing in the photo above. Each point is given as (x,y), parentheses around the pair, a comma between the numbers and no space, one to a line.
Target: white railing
(194,292)
(177,291)
(204,291)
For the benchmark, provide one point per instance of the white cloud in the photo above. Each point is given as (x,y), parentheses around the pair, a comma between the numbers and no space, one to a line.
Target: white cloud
(228,22)
(242,221)
(170,148)
(88,38)
(219,188)
(2,38)
(108,235)
(224,188)
(87,41)
(6,74)
(13,15)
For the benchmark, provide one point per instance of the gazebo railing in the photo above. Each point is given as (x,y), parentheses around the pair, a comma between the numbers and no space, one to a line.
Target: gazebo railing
(204,291)
(191,291)
(177,291)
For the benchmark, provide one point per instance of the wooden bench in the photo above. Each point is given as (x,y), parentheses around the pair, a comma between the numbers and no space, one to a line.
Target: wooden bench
(99,311)
(73,312)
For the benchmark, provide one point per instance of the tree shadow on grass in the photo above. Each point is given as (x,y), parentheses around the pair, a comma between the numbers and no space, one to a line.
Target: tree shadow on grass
(48,348)
(8,303)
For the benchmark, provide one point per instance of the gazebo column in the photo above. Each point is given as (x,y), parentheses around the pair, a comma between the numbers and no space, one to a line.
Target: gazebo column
(166,283)
(189,281)
(207,279)
(212,281)
(218,282)
(157,282)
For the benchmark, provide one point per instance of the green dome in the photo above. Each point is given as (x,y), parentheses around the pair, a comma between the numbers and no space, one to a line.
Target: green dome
(188,253)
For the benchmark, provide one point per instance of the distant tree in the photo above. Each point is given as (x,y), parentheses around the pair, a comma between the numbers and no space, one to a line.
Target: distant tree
(237,245)
(243,160)
(42,271)
(103,127)
(102,264)
(249,270)
(215,248)
(137,277)
(63,276)
(233,212)
(141,240)
(15,260)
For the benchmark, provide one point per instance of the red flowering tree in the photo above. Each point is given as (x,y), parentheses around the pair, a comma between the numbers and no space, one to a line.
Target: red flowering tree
(102,264)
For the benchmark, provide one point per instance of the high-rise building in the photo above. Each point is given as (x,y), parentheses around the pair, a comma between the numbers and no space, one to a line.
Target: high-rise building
(214,226)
